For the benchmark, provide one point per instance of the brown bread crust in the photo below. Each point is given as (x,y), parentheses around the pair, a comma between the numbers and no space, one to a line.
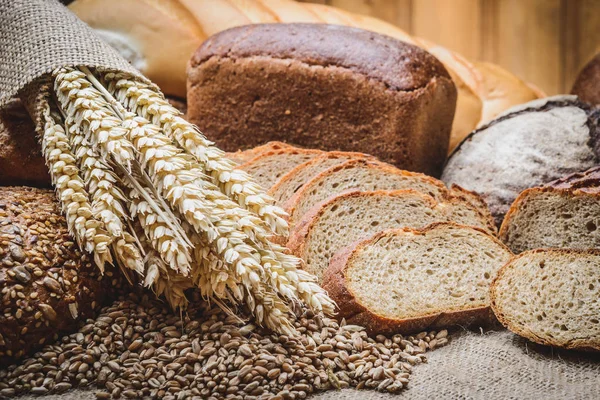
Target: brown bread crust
(21,160)
(44,276)
(297,241)
(586,183)
(576,345)
(323,86)
(334,282)
(587,84)
(243,156)
(328,155)
(291,205)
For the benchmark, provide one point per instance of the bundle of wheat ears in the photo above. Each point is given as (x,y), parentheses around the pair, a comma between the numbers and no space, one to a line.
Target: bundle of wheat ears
(144,189)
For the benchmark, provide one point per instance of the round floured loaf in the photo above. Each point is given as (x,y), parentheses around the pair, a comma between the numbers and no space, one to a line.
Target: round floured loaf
(323,86)
(527,146)
(47,284)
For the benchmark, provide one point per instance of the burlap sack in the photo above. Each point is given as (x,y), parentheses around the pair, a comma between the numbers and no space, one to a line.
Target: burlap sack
(37,36)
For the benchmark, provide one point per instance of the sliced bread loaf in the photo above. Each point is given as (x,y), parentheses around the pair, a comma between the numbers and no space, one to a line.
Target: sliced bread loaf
(358,174)
(551,297)
(407,280)
(243,156)
(563,214)
(351,216)
(292,181)
(268,167)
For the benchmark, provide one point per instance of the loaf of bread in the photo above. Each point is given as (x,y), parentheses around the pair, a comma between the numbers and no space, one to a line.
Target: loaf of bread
(323,86)
(587,84)
(21,161)
(351,216)
(551,297)
(524,147)
(562,214)
(286,186)
(187,23)
(411,280)
(361,175)
(47,284)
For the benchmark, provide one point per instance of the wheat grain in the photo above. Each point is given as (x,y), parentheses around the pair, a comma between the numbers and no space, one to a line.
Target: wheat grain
(141,99)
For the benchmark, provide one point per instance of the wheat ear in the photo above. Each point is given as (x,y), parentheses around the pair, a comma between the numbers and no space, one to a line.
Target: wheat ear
(144,101)
(74,199)
(107,199)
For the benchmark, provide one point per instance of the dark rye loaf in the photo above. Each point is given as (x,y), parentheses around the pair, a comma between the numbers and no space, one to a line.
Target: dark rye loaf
(47,285)
(587,84)
(527,146)
(21,161)
(326,87)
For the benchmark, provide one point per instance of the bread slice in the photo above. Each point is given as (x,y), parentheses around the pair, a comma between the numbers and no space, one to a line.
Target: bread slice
(351,216)
(292,181)
(406,280)
(551,297)
(243,156)
(267,168)
(358,174)
(563,214)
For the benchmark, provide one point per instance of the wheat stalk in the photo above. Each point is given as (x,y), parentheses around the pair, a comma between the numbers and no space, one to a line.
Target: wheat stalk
(181,198)
(143,100)
(107,199)
(88,231)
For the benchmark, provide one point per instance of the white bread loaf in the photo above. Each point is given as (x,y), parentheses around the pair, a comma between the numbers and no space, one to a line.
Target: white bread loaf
(160,35)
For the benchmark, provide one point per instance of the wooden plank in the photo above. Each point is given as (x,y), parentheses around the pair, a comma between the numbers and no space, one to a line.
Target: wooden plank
(453,24)
(528,41)
(580,37)
(397,12)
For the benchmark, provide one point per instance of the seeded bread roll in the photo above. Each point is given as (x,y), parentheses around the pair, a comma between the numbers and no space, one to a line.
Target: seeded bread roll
(527,146)
(551,297)
(562,214)
(324,86)
(406,280)
(348,217)
(587,84)
(48,285)
(21,161)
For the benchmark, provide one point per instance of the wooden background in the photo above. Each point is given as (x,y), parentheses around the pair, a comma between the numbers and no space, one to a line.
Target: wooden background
(545,42)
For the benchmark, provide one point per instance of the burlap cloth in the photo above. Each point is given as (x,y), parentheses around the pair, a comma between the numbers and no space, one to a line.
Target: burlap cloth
(37,36)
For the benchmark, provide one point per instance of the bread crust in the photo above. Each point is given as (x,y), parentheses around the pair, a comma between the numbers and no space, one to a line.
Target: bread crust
(506,322)
(334,283)
(458,193)
(243,156)
(292,205)
(286,150)
(586,183)
(299,235)
(328,155)
(586,85)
